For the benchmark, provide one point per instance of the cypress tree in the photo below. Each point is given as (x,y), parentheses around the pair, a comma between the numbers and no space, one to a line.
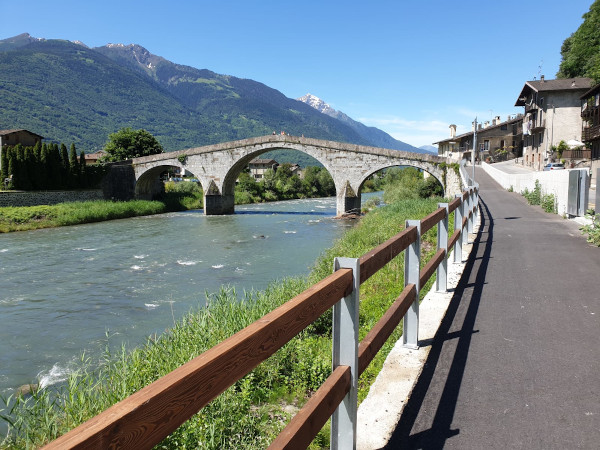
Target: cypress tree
(22,180)
(12,163)
(57,178)
(45,167)
(73,167)
(29,158)
(83,181)
(66,167)
(4,172)
(38,170)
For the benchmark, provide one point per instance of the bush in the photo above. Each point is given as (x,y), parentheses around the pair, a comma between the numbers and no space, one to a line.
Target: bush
(534,197)
(593,230)
(430,187)
(548,203)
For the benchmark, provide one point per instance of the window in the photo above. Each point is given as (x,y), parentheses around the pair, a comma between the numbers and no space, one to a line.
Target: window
(486,145)
(504,127)
(541,138)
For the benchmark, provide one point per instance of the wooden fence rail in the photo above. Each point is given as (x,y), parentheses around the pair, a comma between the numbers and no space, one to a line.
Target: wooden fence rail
(145,418)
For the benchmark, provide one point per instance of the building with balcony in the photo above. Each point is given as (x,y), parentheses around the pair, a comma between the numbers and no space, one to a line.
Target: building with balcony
(590,131)
(496,139)
(552,114)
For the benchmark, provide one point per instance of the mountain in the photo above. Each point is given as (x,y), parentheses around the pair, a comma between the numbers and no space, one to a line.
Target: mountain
(70,93)
(377,137)
(430,149)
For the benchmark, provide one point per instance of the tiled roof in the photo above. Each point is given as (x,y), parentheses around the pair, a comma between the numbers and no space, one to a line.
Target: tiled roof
(562,84)
(263,161)
(490,127)
(5,132)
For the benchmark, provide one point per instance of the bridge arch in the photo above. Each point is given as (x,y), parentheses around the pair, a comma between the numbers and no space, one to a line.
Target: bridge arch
(228,185)
(217,166)
(148,184)
(432,170)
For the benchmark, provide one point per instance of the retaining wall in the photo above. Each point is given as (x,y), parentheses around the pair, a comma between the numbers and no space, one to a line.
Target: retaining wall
(34,198)
(552,182)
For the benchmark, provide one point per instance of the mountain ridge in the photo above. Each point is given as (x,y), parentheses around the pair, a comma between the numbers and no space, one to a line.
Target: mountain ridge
(69,92)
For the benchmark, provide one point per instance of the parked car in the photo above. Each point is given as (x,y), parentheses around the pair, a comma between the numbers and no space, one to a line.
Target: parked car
(554,166)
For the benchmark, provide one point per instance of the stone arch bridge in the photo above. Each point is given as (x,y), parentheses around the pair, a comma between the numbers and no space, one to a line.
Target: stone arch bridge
(218,166)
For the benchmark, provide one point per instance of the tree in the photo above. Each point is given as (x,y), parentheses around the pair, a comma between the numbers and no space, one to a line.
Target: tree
(127,143)
(581,51)
(4,164)
(82,170)
(73,167)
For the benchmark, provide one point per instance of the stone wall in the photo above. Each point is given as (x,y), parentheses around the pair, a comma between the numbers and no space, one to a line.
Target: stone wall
(454,184)
(34,198)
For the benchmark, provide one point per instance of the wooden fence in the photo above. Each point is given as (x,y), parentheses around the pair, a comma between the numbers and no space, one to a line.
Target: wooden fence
(145,418)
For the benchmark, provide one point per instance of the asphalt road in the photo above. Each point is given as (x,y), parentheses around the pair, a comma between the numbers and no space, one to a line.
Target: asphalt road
(516,361)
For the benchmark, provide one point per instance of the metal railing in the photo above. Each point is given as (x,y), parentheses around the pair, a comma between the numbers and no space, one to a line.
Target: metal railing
(591,133)
(145,418)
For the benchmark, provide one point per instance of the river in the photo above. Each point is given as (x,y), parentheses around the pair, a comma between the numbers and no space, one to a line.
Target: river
(63,289)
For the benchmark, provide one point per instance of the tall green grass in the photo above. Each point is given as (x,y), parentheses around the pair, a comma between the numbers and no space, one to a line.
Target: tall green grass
(73,213)
(253,411)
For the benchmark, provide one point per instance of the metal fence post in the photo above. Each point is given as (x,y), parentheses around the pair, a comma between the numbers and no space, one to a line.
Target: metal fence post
(458,218)
(345,353)
(476,199)
(470,213)
(441,274)
(412,268)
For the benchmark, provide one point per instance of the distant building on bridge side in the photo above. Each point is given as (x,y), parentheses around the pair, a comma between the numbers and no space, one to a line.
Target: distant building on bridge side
(92,158)
(258,167)
(497,140)
(552,114)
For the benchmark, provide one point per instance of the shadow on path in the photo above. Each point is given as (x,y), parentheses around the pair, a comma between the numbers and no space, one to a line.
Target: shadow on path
(460,317)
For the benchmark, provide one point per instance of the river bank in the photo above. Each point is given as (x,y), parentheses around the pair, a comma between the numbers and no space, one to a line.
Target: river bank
(251,412)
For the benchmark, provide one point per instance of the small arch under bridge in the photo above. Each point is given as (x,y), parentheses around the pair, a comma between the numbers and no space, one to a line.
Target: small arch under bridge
(218,166)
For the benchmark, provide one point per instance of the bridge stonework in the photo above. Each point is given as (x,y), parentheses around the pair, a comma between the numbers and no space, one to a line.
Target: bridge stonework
(218,166)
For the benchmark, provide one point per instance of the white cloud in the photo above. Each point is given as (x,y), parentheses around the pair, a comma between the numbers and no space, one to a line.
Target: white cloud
(414,132)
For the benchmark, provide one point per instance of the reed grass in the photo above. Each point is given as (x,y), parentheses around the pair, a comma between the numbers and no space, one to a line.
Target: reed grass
(253,411)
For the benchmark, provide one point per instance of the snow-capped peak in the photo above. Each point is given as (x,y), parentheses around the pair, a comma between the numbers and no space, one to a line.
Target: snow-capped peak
(317,104)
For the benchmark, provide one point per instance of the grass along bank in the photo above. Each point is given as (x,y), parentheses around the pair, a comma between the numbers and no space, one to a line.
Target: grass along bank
(252,412)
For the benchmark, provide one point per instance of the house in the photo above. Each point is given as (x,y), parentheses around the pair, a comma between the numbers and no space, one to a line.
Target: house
(496,139)
(15,137)
(92,158)
(456,147)
(552,114)
(590,131)
(258,167)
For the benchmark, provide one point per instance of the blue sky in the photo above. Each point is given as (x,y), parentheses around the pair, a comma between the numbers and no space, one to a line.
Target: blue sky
(409,68)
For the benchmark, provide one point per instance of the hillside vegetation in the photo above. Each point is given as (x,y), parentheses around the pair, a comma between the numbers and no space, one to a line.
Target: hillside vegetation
(69,93)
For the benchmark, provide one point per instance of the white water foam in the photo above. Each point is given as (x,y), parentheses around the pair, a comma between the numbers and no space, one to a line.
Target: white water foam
(289,232)
(86,249)
(187,263)
(53,376)
(139,256)
(151,305)
(136,267)
(218,266)
(4,250)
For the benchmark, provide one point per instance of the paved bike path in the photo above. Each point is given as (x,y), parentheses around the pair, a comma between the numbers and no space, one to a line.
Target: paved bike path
(516,361)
